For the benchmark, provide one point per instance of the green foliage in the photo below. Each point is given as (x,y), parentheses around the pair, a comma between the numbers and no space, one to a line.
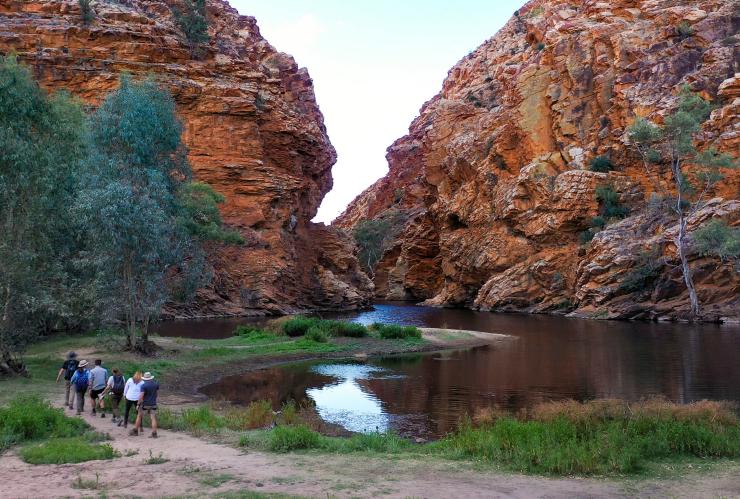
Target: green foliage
(86,11)
(540,46)
(586,236)
(717,238)
(641,277)
(200,216)
(371,237)
(31,418)
(299,326)
(601,164)
(609,201)
(684,30)
(193,22)
(130,209)
(317,334)
(288,438)
(42,144)
(392,331)
(67,450)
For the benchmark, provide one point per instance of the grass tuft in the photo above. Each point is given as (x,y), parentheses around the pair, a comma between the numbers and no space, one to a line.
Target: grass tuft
(158,459)
(288,438)
(67,450)
(392,331)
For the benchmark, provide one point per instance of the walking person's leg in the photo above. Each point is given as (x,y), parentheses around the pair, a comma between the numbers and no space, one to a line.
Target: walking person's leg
(114,401)
(80,401)
(153,415)
(68,401)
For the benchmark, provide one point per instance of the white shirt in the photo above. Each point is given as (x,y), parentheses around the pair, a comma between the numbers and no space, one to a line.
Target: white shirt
(132,390)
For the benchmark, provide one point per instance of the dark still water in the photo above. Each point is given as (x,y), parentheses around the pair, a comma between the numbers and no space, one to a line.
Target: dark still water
(549,358)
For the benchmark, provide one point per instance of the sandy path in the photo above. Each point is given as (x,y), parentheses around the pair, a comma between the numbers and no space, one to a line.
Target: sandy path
(193,460)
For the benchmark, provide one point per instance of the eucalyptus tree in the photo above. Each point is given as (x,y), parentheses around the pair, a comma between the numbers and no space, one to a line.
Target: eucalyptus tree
(130,207)
(693,173)
(42,143)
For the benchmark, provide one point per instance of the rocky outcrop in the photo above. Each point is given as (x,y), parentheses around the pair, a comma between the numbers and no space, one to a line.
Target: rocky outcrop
(495,169)
(252,127)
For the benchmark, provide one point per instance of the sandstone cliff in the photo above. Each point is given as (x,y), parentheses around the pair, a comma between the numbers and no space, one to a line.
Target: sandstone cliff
(493,175)
(252,126)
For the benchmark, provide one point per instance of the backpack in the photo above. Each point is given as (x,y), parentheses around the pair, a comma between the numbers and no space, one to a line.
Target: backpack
(82,381)
(118,384)
(71,368)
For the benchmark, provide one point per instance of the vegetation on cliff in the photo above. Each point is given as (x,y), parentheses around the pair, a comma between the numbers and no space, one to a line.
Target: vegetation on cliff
(99,217)
(674,144)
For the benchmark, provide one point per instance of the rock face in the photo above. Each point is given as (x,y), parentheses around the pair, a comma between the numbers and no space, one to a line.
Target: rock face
(252,126)
(494,173)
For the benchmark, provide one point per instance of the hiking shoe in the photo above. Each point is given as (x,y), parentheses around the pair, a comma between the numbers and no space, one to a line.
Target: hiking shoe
(102,415)
(153,435)
(134,432)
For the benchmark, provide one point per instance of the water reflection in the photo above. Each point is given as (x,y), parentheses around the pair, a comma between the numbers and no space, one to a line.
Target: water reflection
(551,358)
(344,402)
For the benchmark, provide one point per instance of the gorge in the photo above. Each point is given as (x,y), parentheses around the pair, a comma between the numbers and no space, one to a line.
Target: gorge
(489,195)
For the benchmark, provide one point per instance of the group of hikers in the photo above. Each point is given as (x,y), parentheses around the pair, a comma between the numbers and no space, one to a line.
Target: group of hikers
(139,391)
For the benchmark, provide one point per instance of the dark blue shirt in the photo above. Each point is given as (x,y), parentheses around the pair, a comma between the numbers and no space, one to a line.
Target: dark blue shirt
(150,389)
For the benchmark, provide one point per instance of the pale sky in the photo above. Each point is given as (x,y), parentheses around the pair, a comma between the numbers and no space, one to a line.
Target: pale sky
(373,63)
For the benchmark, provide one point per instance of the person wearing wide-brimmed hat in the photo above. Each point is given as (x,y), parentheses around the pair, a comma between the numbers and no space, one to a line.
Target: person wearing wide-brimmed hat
(148,404)
(68,369)
(81,382)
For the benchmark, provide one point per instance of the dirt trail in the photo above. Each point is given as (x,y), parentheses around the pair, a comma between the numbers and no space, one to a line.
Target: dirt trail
(193,461)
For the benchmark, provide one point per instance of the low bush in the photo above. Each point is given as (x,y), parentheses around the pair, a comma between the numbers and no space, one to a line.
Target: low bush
(258,414)
(609,200)
(298,326)
(253,334)
(31,418)
(67,450)
(288,438)
(348,329)
(601,164)
(317,334)
(392,331)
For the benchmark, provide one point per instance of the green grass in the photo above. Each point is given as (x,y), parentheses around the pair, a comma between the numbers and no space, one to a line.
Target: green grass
(317,334)
(288,438)
(158,459)
(215,480)
(301,326)
(393,331)
(569,438)
(66,450)
(31,418)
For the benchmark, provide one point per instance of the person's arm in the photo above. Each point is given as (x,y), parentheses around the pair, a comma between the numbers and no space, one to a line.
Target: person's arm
(59,374)
(74,377)
(108,387)
(126,388)
(141,399)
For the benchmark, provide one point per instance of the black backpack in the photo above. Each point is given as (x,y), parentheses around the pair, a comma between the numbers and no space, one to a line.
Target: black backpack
(71,368)
(119,382)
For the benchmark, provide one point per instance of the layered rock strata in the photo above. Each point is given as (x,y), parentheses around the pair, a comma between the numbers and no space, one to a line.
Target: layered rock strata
(495,171)
(252,127)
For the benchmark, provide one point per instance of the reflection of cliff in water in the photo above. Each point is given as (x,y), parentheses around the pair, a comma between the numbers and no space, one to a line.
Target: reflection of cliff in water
(278,385)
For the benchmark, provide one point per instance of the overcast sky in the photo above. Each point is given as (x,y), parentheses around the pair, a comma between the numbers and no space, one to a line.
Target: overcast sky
(373,63)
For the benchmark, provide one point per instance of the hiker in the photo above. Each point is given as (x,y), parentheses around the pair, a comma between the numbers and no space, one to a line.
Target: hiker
(148,404)
(80,381)
(68,369)
(131,393)
(114,389)
(98,377)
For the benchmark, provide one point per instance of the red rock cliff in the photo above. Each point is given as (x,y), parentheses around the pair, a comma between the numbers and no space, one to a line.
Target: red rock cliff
(494,179)
(252,126)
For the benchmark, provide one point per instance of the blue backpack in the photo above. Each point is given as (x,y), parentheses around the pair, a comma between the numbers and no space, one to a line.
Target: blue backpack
(82,381)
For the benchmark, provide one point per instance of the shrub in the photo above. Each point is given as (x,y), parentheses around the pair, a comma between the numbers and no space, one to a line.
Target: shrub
(684,30)
(393,331)
(193,23)
(349,329)
(644,273)
(601,164)
(158,459)
(257,414)
(299,326)
(317,334)
(67,450)
(86,12)
(287,438)
(540,46)
(609,201)
(718,238)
